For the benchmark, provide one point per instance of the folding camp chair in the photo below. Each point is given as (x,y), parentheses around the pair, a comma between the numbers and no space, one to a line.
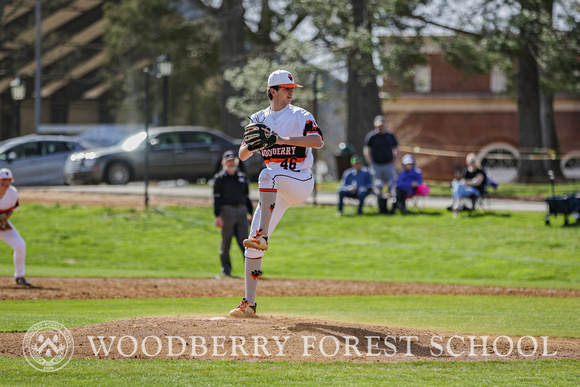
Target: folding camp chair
(418,197)
(483,201)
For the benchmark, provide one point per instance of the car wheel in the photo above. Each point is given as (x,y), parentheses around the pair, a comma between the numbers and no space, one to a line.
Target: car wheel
(118,174)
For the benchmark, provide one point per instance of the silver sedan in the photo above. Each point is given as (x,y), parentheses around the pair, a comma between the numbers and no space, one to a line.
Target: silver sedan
(38,159)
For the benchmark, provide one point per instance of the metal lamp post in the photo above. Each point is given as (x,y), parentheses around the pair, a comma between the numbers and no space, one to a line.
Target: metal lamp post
(146,73)
(18,91)
(164,70)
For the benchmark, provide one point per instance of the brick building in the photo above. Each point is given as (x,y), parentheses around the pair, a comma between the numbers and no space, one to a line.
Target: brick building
(449,114)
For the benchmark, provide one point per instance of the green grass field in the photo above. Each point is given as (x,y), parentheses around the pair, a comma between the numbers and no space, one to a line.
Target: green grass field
(15,371)
(498,249)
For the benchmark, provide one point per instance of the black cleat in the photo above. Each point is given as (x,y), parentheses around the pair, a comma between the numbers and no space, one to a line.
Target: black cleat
(22,281)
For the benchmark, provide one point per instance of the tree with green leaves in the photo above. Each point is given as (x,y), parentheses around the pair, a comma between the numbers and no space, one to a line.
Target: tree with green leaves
(255,37)
(247,29)
(338,30)
(342,32)
(206,39)
(137,33)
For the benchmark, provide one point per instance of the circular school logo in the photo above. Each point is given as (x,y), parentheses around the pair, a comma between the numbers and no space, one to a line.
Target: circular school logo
(48,346)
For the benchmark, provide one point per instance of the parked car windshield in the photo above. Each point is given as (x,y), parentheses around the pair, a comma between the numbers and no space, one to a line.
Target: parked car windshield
(133,142)
(3,145)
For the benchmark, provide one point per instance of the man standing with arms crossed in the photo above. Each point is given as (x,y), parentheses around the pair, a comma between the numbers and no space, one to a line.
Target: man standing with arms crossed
(286,180)
(380,151)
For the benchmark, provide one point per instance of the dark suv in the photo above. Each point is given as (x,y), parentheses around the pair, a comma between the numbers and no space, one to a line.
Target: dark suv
(179,152)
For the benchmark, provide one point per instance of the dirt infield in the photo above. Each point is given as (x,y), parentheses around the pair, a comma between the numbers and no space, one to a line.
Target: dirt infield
(87,288)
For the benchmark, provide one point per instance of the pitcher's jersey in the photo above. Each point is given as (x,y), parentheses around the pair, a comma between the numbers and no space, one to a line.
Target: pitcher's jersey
(10,200)
(292,121)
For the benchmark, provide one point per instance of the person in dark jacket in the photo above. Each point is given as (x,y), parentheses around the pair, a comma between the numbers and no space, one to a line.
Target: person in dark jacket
(355,183)
(231,206)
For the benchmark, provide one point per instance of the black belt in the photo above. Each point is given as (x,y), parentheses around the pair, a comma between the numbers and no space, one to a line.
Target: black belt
(235,205)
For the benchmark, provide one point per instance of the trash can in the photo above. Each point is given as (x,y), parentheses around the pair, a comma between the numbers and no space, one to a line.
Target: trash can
(342,156)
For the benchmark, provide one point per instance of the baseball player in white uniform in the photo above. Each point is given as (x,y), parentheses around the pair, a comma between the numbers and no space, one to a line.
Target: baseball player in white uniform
(8,203)
(286,180)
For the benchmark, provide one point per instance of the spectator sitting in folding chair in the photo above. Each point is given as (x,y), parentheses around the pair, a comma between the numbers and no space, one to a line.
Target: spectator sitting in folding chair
(408,181)
(471,185)
(355,183)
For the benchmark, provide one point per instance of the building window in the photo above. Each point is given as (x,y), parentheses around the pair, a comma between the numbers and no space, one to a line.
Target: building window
(422,79)
(497,80)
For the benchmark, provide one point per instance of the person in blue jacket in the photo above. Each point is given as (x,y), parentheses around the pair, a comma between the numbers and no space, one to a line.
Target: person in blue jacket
(407,182)
(355,183)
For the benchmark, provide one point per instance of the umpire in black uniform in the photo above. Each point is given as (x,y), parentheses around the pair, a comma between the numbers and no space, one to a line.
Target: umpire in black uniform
(231,207)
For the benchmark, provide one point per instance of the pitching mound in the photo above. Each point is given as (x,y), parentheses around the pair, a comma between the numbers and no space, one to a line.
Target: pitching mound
(283,338)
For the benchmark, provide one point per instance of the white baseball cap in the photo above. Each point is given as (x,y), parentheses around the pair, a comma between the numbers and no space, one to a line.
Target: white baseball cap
(229,155)
(408,159)
(281,78)
(380,120)
(6,173)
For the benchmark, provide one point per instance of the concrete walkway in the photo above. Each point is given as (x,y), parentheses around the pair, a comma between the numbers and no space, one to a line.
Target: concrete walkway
(444,202)
(173,189)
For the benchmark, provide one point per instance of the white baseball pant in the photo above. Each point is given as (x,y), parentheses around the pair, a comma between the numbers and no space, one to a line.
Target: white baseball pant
(292,188)
(14,240)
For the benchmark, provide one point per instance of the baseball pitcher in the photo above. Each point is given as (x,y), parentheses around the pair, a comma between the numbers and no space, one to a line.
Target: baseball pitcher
(284,134)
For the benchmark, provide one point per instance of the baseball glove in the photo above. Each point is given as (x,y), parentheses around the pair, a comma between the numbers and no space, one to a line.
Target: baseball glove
(258,136)
(4,225)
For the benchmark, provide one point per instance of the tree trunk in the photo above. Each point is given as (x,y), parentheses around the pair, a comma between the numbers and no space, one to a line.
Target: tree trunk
(549,137)
(530,130)
(232,55)
(362,90)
